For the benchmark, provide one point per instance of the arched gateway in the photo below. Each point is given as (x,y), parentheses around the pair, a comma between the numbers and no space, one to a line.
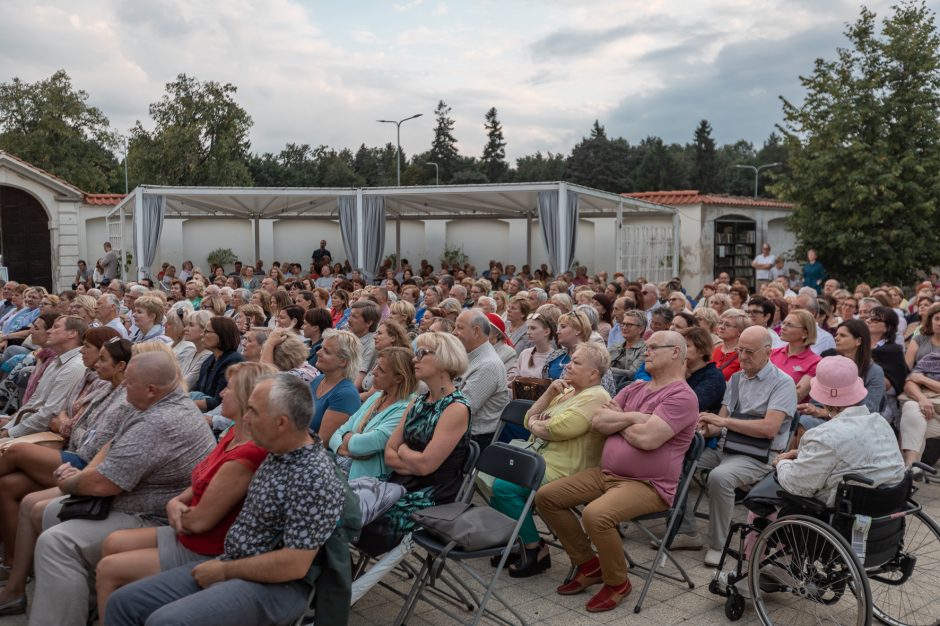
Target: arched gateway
(25,238)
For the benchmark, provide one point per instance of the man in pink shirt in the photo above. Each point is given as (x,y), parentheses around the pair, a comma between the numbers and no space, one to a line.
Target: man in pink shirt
(649,427)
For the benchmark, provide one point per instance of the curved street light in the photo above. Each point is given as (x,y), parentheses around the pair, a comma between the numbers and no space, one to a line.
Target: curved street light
(757,171)
(398,139)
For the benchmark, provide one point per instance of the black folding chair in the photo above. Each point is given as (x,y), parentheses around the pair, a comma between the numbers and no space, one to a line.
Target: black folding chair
(516,465)
(673,517)
(514,416)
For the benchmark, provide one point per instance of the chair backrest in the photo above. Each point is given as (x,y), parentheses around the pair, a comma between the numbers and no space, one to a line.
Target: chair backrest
(886,534)
(466,487)
(692,455)
(516,465)
(515,411)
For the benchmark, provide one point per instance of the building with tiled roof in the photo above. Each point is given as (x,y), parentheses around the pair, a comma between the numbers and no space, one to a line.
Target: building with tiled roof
(724,233)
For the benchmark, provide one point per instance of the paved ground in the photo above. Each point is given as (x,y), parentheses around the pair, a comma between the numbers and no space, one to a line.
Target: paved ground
(666,603)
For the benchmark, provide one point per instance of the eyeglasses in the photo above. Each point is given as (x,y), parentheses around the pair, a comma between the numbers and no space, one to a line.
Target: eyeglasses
(46,303)
(748,351)
(753,312)
(113,340)
(872,318)
(634,324)
(535,316)
(650,348)
(420,353)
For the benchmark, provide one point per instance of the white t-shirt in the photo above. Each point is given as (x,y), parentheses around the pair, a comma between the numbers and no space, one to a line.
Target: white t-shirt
(761,259)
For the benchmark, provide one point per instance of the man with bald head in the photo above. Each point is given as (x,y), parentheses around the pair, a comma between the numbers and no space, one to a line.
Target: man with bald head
(149,460)
(649,426)
(759,403)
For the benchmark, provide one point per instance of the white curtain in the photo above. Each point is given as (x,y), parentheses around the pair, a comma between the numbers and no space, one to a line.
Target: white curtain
(372,228)
(560,254)
(148,225)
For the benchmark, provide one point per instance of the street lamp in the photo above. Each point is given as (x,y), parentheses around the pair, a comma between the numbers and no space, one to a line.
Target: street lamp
(398,139)
(437,172)
(757,171)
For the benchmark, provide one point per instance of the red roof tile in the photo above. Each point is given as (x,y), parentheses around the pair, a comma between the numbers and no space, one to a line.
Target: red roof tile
(103,199)
(692,196)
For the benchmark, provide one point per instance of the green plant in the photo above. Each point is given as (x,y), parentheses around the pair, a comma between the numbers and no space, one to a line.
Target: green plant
(452,255)
(221,257)
(128,258)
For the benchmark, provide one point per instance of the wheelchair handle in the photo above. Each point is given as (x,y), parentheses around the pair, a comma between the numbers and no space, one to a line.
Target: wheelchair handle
(927,468)
(858,478)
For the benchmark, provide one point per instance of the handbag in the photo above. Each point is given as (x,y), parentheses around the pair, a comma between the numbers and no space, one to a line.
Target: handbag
(736,443)
(466,526)
(85,507)
(526,388)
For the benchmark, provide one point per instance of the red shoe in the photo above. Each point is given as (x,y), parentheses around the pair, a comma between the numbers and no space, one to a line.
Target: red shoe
(587,575)
(609,597)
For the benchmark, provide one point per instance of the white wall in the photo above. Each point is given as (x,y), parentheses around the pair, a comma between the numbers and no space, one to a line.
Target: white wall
(200,237)
(295,240)
(414,245)
(481,240)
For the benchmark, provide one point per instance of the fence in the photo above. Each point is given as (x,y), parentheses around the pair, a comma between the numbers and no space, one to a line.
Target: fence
(646,251)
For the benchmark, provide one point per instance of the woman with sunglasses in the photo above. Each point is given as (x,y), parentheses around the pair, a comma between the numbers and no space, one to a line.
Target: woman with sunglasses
(732,323)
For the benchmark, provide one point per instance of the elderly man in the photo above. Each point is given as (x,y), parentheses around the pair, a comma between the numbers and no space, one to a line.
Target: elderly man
(107,309)
(292,507)
(269,285)
(484,382)
(649,426)
(65,339)
(363,320)
(6,305)
(759,403)
(650,300)
(459,293)
(808,302)
(149,461)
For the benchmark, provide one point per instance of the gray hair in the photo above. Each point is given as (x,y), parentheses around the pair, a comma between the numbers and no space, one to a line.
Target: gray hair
(807,291)
(113,300)
(540,294)
(242,293)
(138,290)
(637,316)
(290,396)
(226,291)
(591,313)
(479,320)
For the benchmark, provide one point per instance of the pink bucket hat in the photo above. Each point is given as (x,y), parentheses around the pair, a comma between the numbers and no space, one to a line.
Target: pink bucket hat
(837,383)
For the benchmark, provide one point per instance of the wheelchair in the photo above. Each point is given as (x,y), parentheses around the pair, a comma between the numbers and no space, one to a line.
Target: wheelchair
(875,553)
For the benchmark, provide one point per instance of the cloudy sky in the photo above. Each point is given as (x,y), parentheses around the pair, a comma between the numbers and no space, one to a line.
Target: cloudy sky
(322,72)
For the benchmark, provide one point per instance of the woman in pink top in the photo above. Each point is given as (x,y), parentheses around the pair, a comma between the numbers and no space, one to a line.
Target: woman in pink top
(796,358)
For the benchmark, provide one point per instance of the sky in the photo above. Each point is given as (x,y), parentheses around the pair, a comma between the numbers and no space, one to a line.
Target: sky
(323,72)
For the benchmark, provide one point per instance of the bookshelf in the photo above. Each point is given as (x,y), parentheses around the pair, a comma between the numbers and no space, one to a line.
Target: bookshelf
(735,248)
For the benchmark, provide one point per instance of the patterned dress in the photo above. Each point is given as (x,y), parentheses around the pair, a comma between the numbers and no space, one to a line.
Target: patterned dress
(439,487)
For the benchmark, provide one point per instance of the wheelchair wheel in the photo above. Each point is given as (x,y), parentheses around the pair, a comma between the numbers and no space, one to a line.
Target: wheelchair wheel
(803,572)
(904,592)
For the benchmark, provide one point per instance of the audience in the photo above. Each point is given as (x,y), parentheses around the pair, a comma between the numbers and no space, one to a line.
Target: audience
(484,383)
(334,392)
(221,338)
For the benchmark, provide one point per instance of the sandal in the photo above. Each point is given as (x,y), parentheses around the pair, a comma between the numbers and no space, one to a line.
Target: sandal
(533,562)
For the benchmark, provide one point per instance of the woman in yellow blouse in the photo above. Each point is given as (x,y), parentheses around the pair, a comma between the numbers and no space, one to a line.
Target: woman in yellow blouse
(560,423)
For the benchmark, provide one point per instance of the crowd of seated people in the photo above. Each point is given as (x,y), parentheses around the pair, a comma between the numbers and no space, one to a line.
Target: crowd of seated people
(196,406)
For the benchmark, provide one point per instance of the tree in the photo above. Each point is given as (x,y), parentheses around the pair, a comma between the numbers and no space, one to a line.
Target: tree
(864,149)
(494,152)
(50,124)
(444,144)
(200,137)
(599,162)
(705,167)
(658,167)
(534,168)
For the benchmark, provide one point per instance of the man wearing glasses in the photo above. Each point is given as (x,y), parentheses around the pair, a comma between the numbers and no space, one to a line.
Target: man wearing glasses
(760,311)
(759,402)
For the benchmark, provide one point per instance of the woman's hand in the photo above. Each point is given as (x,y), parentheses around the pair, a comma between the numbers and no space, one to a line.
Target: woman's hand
(926,408)
(174,512)
(66,470)
(808,408)
(538,425)
(558,386)
(277,337)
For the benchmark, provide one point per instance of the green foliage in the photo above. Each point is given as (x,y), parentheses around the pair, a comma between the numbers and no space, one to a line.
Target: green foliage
(220,257)
(705,166)
(538,168)
(494,152)
(50,124)
(200,137)
(599,162)
(864,150)
(453,255)
(444,144)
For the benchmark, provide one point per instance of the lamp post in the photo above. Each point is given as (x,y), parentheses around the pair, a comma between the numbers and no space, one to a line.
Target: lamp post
(437,172)
(757,172)
(398,139)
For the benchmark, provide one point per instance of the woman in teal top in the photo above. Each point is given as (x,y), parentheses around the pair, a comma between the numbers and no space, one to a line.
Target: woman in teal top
(359,444)
(814,274)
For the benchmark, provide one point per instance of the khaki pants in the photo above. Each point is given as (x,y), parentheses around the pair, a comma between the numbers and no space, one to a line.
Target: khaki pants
(610,500)
(915,428)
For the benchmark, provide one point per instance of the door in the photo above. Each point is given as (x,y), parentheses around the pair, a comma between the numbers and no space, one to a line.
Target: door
(24,238)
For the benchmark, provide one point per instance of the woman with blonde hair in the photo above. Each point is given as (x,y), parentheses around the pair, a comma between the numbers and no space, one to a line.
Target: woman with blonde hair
(200,516)
(389,334)
(334,391)
(148,316)
(563,301)
(359,444)
(83,307)
(287,352)
(403,312)
(451,308)
(502,304)
(516,316)
(796,359)
(573,329)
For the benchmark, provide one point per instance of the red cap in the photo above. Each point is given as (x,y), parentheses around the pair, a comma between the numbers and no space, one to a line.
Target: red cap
(498,323)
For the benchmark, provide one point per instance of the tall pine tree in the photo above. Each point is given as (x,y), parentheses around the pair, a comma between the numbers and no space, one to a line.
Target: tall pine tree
(444,145)
(705,167)
(494,152)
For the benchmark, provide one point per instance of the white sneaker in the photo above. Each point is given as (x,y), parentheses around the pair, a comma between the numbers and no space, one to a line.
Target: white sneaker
(712,557)
(683,542)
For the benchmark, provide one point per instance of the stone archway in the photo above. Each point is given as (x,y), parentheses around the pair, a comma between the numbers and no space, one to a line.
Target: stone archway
(25,240)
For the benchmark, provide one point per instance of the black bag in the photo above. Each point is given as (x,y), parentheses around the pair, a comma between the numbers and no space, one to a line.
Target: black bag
(735,443)
(466,526)
(85,507)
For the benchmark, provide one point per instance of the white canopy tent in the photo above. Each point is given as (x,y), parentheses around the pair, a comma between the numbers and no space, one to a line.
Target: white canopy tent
(362,213)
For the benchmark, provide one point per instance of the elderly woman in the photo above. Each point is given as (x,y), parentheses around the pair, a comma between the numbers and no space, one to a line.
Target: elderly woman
(359,444)
(516,328)
(221,337)
(563,301)
(432,298)
(451,308)
(27,303)
(183,349)
(388,334)
(796,359)
(572,329)
(194,333)
(560,423)
(334,392)
(404,313)
(719,303)
(503,346)
(732,323)
(706,318)
(201,515)
(927,341)
(148,316)
(252,343)
(677,302)
(287,352)
(427,449)
(626,359)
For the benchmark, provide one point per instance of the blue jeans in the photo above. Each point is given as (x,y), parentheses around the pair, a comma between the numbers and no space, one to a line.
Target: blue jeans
(173,597)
